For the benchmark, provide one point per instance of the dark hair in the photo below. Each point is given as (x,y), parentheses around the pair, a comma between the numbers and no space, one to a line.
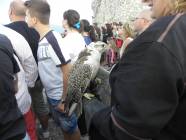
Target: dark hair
(98,32)
(40,9)
(109,29)
(104,30)
(93,34)
(89,29)
(73,18)
(86,25)
(120,24)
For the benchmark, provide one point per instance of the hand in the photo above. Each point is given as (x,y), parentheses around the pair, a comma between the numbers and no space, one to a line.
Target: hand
(61,107)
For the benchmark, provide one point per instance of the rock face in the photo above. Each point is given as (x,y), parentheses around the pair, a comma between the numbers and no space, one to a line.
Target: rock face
(106,11)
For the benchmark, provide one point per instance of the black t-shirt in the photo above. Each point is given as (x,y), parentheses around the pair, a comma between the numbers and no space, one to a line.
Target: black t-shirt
(30,34)
(11,120)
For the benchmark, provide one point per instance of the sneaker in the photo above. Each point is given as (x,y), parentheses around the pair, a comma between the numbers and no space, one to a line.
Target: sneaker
(43,133)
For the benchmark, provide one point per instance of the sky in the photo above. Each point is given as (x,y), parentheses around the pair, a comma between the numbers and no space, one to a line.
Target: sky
(57,9)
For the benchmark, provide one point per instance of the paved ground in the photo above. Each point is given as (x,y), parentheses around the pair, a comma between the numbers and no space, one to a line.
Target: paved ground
(55,132)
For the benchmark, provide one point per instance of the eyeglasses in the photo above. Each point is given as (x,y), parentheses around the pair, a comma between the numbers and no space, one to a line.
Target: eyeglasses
(138,18)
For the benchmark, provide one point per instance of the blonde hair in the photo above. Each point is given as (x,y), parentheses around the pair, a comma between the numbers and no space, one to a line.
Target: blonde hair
(179,6)
(128,30)
(112,45)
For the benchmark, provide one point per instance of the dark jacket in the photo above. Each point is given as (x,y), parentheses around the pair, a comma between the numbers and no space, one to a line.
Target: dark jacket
(148,87)
(30,35)
(12,124)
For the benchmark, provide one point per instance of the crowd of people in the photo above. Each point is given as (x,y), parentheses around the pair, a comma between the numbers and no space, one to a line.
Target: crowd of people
(147,79)
(116,35)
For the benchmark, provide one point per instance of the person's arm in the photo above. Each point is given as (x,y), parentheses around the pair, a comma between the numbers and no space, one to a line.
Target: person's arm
(65,70)
(26,58)
(144,94)
(61,58)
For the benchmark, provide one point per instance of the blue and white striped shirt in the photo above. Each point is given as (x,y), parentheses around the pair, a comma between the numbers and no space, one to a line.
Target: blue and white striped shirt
(51,55)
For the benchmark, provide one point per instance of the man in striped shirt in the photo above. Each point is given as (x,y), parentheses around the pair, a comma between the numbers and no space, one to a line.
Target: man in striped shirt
(54,66)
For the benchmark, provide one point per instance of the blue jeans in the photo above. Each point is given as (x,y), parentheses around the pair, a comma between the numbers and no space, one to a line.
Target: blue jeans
(67,123)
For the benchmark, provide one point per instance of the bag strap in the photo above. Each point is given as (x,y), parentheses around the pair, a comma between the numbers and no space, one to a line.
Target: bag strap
(163,35)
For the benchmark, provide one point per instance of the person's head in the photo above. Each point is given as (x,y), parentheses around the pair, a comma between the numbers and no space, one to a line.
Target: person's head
(71,20)
(103,29)
(125,31)
(95,24)
(17,10)
(38,12)
(142,21)
(88,30)
(162,8)
(148,2)
(120,24)
(108,28)
(86,25)
(114,25)
(97,31)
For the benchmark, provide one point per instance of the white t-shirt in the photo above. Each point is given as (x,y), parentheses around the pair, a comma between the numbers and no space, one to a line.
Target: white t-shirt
(51,55)
(74,43)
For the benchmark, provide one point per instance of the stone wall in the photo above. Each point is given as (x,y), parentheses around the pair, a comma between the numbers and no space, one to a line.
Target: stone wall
(106,11)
